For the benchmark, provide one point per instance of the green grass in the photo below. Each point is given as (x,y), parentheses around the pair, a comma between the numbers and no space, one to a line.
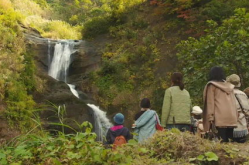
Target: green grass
(165,147)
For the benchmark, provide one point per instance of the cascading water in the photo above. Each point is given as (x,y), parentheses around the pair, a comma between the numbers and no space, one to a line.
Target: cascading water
(102,123)
(61,60)
(58,69)
(72,88)
(59,65)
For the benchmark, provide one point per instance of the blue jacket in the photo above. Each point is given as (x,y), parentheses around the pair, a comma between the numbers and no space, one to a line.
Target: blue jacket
(146,125)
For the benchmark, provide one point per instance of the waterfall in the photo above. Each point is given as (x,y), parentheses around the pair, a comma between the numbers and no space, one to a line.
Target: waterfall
(61,60)
(72,88)
(101,122)
(58,69)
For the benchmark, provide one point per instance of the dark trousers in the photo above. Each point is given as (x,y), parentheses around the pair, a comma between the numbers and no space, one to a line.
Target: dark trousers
(225,134)
(240,140)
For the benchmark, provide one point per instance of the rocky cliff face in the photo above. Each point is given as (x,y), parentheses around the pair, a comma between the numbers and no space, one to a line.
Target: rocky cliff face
(86,59)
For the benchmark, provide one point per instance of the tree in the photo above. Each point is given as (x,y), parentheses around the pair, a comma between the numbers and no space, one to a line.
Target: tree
(226,46)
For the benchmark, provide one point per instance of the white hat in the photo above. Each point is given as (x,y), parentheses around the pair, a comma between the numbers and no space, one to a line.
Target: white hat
(196,110)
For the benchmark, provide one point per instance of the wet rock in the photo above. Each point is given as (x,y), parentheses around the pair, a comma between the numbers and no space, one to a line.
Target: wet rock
(57,93)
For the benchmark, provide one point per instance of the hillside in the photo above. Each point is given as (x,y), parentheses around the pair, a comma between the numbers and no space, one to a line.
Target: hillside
(140,43)
(142,53)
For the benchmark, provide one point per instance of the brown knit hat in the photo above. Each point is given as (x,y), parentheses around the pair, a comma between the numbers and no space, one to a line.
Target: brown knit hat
(247,91)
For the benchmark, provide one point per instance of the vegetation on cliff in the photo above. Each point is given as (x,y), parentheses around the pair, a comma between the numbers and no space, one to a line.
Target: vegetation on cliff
(139,60)
(40,17)
(16,70)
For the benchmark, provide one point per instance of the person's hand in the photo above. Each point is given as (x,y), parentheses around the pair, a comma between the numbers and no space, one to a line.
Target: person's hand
(133,126)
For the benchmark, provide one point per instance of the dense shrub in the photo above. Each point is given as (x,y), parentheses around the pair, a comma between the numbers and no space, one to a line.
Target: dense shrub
(226,46)
(170,147)
(16,70)
(28,7)
(96,26)
(59,30)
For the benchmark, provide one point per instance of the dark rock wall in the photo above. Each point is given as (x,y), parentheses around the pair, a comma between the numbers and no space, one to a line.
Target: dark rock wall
(58,92)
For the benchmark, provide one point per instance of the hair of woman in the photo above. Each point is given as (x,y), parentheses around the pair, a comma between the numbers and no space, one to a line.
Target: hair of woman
(216,74)
(177,79)
(145,103)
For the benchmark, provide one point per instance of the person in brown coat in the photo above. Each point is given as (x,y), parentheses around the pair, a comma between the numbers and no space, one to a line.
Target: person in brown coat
(219,105)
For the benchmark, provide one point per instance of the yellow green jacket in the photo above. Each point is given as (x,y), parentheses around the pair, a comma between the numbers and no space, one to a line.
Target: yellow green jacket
(176,104)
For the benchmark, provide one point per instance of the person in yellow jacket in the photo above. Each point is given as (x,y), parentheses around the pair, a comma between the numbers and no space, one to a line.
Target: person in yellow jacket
(176,110)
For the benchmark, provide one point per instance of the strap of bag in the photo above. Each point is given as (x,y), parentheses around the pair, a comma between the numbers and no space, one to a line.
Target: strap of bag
(156,118)
(240,105)
(242,109)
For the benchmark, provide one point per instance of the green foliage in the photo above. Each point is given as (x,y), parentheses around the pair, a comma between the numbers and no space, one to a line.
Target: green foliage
(16,69)
(121,72)
(96,26)
(27,8)
(28,76)
(58,30)
(194,13)
(218,10)
(206,158)
(96,16)
(226,46)
(60,114)
(81,148)
(42,3)
(38,16)
(174,7)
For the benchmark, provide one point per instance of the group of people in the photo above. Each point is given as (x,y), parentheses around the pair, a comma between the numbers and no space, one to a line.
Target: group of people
(224,114)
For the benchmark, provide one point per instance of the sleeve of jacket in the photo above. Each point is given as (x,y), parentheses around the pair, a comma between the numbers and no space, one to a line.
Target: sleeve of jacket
(141,122)
(210,102)
(128,136)
(166,107)
(244,103)
(191,105)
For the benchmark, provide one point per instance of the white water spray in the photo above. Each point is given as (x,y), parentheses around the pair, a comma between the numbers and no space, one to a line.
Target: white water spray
(102,123)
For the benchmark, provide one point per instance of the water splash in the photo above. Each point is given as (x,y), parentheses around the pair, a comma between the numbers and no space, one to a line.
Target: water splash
(102,123)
